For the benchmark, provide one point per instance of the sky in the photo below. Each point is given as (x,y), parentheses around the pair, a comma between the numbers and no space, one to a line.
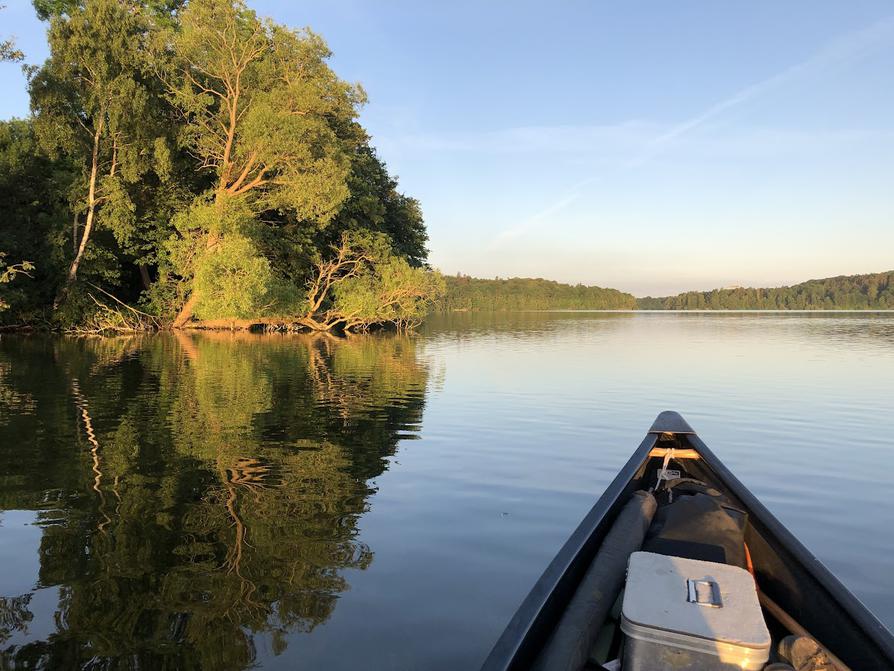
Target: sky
(653,147)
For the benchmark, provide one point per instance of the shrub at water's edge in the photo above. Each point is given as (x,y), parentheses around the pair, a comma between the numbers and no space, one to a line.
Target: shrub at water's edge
(360,284)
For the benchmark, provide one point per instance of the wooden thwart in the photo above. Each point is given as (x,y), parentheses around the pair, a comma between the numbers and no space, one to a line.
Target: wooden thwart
(662,452)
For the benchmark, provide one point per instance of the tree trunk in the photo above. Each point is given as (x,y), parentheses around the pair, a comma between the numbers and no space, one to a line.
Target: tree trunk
(88,228)
(144,276)
(226,169)
(88,225)
(185,313)
(73,269)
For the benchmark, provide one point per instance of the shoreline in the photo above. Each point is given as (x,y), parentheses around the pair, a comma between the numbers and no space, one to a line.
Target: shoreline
(268,325)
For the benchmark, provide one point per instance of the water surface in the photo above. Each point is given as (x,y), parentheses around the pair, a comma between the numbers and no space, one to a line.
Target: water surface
(232,501)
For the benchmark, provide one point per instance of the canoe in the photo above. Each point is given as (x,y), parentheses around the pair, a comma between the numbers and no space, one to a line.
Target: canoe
(796,592)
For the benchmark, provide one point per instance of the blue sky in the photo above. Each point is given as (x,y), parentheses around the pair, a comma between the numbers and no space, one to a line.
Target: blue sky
(653,147)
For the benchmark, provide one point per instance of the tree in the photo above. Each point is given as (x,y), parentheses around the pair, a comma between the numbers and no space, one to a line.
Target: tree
(265,116)
(364,283)
(375,204)
(92,101)
(36,218)
(390,292)
(8,51)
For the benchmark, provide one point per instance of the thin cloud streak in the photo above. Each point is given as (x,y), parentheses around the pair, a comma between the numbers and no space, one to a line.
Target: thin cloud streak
(848,48)
(531,222)
(618,138)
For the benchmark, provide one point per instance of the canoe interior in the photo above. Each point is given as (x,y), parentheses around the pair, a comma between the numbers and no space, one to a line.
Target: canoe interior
(786,571)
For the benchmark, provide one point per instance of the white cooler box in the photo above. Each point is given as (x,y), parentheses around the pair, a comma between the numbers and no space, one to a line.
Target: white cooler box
(682,615)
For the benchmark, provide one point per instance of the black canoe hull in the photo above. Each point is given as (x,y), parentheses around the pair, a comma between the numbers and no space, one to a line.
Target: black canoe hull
(787,572)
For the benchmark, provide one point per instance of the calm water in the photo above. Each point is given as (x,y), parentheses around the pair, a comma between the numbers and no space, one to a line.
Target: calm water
(225,502)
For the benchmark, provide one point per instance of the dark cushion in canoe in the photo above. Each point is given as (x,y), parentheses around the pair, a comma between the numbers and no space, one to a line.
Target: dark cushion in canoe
(698,522)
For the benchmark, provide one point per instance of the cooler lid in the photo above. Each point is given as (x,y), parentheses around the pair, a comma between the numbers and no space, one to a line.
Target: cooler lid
(695,598)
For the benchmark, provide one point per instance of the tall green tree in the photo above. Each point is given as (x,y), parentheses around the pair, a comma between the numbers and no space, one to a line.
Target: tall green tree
(35,217)
(8,52)
(93,101)
(267,118)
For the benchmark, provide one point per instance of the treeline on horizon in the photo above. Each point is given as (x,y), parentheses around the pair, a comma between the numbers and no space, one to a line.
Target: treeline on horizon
(518,293)
(191,163)
(873,291)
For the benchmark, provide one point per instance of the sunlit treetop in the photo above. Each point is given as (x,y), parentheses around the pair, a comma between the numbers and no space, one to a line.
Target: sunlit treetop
(46,9)
(264,112)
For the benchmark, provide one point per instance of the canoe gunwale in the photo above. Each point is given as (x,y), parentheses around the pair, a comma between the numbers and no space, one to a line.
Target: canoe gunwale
(532,623)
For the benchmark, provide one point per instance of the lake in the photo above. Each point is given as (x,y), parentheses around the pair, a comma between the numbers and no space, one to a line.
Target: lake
(226,501)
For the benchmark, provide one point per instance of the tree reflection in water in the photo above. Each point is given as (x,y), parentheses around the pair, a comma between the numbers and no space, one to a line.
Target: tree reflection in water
(195,491)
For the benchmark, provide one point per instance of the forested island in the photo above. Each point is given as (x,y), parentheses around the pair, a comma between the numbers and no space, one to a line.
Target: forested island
(191,164)
(874,291)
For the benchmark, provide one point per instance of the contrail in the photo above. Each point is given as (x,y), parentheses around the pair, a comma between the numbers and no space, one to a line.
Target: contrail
(849,47)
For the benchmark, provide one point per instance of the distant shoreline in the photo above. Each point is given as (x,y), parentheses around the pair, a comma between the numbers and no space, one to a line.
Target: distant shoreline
(873,292)
(726,311)
(681,311)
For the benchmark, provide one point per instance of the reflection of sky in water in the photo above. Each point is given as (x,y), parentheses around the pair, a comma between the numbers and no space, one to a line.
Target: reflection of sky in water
(18,552)
(19,566)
